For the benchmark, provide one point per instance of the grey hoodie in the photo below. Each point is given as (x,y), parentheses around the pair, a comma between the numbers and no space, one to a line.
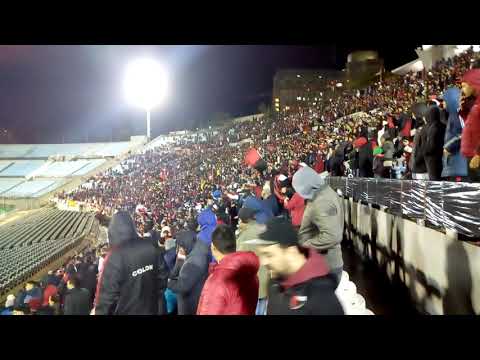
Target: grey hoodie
(323,220)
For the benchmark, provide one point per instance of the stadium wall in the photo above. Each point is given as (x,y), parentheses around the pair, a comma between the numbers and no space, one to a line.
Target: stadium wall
(441,273)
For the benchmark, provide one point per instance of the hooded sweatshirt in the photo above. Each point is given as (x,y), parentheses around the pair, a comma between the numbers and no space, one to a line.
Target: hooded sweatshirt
(134,273)
(232,286)
(470,145)
(208,223)
(323,222)
(455,164)
(433,138)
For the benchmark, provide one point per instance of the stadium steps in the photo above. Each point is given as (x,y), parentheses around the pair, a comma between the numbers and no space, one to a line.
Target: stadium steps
(38,243)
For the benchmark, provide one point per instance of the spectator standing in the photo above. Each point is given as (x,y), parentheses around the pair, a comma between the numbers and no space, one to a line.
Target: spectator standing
(470,144)
(296,208)
(190,272)
(77,299)
(365,154)
(388,150)
(322,224)
(434,135)
(454,163)
(134,277)
(301,282)
(250,230)
(419,166)
(232,284)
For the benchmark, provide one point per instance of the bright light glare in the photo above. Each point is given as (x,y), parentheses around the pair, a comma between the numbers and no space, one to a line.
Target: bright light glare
(145,83)
(426,47)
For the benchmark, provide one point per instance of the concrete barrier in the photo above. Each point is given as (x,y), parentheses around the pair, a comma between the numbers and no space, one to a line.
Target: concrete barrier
(441,272)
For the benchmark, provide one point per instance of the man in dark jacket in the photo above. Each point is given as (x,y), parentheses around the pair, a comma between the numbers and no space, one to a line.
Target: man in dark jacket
(301,282)
(434,135)
(365,154)
(77,299)
(88,278)
(134,274)
(190,272)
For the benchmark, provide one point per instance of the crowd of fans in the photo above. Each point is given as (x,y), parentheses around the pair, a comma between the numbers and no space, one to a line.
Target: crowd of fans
(189,221)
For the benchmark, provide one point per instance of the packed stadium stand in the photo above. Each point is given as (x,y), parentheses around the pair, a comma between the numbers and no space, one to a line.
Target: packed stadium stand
(408,227)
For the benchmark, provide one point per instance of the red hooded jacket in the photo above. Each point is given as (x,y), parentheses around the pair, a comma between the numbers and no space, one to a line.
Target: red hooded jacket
(232,286)
(470,144)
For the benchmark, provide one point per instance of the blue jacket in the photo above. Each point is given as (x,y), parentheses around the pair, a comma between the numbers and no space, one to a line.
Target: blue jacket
(7,311)
(454,164)
(263,213)
(272,203)
(208,222)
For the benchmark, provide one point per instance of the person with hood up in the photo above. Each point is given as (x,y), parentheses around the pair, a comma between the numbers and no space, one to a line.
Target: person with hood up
(433,138)
(418,165)
(207,220)
(470,144)
(232,284)
(190,272)
(301,280)
(134,274)
(323,222)
(454,163)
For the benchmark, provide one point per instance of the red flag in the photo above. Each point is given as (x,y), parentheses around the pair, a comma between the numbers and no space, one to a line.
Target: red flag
(251,157)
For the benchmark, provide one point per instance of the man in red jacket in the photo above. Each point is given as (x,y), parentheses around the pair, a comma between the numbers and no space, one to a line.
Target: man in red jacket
(232,286)
(470,144)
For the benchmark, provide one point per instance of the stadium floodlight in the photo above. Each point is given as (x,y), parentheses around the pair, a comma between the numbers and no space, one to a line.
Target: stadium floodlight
(145,85)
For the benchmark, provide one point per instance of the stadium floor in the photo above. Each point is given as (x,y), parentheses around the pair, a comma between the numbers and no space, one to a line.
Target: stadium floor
(381,296)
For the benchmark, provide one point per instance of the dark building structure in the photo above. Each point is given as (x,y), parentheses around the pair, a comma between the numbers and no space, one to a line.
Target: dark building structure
(363,67)
(293,88)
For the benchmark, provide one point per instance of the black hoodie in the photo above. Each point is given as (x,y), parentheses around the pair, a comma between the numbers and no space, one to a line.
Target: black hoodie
(433,138)
(134,276)
(188,284)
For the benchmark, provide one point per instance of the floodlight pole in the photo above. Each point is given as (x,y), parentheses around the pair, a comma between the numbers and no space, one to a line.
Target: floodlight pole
(148,124)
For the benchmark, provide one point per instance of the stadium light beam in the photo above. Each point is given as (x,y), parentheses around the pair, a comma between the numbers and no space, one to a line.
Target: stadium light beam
(145,85)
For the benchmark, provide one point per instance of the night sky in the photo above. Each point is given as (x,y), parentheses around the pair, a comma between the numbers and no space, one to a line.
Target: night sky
(50,94)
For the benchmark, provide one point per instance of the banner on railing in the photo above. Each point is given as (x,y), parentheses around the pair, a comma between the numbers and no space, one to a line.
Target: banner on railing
(441,204)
